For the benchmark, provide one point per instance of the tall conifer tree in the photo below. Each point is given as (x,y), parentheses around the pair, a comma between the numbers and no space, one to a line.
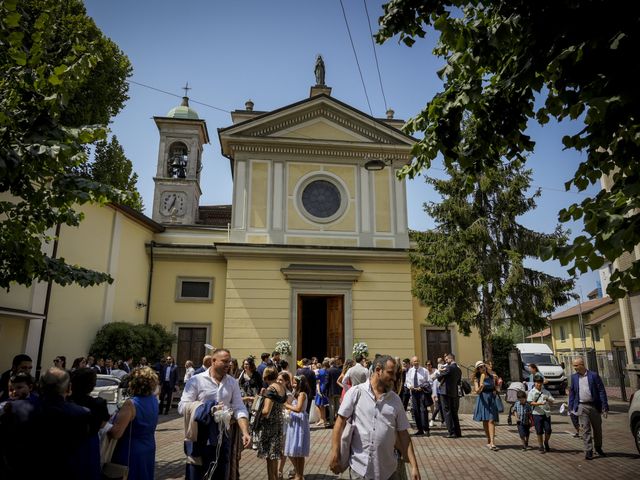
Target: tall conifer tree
(112,167)
(470,270)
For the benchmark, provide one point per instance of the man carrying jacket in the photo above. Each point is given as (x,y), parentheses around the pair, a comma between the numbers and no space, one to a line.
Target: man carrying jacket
(588,399)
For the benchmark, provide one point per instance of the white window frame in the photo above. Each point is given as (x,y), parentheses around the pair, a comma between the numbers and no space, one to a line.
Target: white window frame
(180,298)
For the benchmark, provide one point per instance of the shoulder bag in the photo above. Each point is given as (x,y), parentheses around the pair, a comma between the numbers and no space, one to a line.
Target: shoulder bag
(347,435)
(115,471)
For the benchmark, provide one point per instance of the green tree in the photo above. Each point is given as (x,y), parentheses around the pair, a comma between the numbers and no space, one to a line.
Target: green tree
(112,167)
(509,61)
(470,269)
(62,80)
(120,340)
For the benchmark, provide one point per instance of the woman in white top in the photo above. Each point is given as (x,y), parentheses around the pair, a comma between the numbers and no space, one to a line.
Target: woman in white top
(190,370)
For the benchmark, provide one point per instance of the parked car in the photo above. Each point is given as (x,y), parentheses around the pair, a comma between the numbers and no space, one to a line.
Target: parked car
(634,417)
(108,387)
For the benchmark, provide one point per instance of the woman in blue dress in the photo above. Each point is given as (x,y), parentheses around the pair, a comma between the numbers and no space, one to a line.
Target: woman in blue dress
(135,426)
(322,400)
(298,438)
(486,409)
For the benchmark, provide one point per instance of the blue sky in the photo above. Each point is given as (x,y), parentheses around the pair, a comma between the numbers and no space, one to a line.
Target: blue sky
(232,51)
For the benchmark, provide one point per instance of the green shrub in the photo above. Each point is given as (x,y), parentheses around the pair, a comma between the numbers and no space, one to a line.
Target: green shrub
(120,340)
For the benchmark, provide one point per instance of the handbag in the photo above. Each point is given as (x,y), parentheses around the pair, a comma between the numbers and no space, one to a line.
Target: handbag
(115,471)
(499,404)
(256,412)
(346,437)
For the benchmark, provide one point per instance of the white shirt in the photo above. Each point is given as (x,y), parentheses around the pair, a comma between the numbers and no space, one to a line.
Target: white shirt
(376,425)
(204,387)
(584,393)
(423,377)
(167,375)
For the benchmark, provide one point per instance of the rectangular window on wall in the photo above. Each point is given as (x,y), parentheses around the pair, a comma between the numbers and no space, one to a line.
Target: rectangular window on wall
(194,289)
(563,336)
(596,333)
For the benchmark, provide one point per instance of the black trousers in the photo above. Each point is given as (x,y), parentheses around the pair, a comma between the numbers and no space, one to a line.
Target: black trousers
(450,405)
(166,395)
(420,411)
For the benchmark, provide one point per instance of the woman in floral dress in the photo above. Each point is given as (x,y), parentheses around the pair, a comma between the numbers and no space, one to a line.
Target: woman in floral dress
(269,430)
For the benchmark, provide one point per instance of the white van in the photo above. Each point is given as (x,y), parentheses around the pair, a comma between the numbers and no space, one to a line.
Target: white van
(542,356)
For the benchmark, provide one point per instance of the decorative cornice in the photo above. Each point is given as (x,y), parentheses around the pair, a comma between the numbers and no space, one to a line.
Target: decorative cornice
(321,273)
(315,151)
(320,112)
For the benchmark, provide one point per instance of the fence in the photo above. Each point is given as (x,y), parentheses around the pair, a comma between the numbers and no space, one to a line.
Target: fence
(606,363)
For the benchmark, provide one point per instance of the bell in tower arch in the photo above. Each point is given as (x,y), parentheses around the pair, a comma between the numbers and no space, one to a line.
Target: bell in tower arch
(178,160)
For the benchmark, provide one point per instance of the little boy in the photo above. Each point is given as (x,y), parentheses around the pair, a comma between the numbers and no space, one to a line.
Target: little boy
(523,415)
(540,398)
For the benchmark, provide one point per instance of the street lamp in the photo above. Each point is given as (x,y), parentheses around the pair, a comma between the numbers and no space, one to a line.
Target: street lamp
(375,165)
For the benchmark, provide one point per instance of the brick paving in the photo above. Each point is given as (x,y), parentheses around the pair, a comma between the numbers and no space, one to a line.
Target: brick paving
(442,458)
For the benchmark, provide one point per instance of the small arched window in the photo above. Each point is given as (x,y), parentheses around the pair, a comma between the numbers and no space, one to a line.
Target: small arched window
(177,161)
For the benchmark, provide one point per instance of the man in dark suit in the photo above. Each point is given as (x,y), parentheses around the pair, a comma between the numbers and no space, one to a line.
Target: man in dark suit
(128,364)
(450,376)
(311,378)
(588,400)
(168,379)
(333,391)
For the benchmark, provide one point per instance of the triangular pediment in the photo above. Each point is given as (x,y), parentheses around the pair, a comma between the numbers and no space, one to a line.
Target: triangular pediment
(316,120)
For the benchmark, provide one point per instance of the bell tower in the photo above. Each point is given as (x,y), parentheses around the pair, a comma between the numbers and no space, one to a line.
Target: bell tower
(177,190)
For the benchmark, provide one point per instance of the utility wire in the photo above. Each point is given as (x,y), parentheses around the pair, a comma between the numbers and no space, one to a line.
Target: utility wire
(373,45)
(178,96)
(353,47)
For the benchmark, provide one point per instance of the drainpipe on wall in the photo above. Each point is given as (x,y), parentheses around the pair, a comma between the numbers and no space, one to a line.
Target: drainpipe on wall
(146,317)
(46,308)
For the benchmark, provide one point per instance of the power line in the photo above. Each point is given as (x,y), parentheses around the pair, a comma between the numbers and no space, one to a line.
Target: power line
(353,47)
(178,96)
(373,45)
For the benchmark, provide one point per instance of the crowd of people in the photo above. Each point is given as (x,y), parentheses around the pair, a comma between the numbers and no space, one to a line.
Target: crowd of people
(268,407)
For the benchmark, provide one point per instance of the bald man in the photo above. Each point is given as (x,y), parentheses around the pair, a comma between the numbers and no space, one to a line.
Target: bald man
(588,399)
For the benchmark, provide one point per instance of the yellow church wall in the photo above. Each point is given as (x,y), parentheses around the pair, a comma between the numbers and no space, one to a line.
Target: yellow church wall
(346,174)
(383,317)
(327,241)
(382,200)
(466,348)
(259,194)
(132,277)
(76,313)
(295,221)
(321,130)
(171,313)
(295,171)
(257,310)
(13,332)
(18,297)
(346,223)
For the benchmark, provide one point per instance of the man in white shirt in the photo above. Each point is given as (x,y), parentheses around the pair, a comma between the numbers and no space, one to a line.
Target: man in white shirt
(378,417)
(419,384)
(215,384)
(358,373)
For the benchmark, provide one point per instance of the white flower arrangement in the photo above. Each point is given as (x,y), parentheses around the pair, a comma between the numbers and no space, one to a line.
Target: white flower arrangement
(360,348)
(283,347)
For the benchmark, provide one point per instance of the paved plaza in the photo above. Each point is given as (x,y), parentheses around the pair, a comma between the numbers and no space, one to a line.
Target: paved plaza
(443,458)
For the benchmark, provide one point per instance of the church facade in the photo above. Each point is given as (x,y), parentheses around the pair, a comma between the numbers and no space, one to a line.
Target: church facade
(314,247)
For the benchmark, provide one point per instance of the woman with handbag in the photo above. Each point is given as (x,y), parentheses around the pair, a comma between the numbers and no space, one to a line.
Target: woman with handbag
(268,431)
(135,426)
(486,408)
